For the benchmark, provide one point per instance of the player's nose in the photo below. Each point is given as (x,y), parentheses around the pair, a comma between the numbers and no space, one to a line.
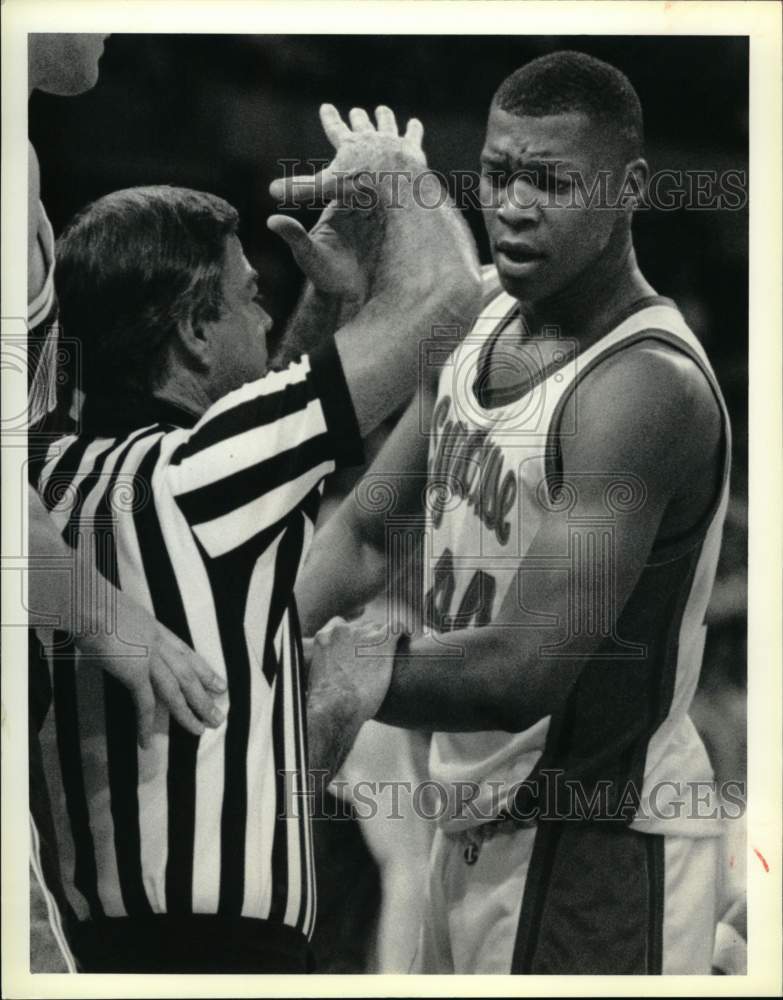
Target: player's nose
(520,204)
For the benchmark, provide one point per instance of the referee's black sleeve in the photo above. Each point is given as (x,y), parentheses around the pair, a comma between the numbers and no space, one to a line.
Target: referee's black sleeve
(258,452)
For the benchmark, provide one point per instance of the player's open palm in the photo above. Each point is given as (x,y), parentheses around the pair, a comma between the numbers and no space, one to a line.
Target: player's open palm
(365,153)
(339,253)
(169,672)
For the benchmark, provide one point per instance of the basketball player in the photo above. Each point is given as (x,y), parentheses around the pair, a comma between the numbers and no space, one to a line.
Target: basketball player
(576,447)
(137,650)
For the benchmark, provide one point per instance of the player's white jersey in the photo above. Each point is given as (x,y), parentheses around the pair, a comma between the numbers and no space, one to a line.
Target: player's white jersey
(492,463)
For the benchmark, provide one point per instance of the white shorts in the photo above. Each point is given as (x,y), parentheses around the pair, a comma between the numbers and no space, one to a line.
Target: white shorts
(569,901)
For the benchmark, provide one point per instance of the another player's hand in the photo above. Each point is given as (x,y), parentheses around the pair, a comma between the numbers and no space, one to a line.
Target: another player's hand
(363,151)
(170,673)
(350,672)
(353,664)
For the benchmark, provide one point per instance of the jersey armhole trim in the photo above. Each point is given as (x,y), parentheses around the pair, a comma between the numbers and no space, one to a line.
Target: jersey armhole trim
(664,549)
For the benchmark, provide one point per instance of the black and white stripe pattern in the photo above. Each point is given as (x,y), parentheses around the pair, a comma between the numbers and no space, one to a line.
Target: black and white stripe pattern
(207,527)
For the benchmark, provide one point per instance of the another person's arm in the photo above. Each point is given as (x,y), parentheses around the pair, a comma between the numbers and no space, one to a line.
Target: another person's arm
(133,647)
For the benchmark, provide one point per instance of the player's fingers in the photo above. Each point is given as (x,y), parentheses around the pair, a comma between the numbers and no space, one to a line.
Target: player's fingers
(290,230)
(304,190)
(173,649)
(144,697)
(387,123)
(168,691)
(323,635)
(297,238)
(414,132)
(333,125)
(360,120)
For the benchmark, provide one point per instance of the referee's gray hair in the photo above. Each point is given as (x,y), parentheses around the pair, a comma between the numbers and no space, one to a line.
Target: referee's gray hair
(130,268)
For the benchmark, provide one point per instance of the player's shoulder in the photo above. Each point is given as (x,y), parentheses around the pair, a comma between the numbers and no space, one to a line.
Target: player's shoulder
(648,397)
(654,372)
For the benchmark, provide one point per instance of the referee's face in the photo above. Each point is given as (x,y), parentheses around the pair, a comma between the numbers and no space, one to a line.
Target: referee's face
(237,340)
(545,228)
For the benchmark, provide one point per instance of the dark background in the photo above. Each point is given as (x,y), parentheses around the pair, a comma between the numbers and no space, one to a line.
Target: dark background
(217,112)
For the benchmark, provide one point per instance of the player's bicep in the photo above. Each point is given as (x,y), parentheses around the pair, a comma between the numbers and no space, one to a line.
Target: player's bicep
(618,471)
(601,507)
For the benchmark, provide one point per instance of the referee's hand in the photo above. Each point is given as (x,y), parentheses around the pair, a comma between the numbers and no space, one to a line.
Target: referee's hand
(168,672)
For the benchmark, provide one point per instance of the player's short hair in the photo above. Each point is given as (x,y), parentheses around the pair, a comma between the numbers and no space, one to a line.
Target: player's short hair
(573,81)
(130,268)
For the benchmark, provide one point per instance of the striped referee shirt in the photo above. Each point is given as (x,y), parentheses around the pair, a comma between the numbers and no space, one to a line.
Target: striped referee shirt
(205,523)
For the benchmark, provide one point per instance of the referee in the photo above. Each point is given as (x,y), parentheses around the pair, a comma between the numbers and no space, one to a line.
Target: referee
(193,486)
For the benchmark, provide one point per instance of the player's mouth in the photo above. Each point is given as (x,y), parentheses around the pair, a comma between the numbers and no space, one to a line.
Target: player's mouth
(514,257)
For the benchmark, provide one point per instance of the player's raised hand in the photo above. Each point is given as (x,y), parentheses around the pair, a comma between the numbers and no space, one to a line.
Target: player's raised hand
(362,150)
(338,253)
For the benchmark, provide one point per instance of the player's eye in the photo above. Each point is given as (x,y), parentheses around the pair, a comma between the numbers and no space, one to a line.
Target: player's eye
(497,176)
(547,179)
(556,182)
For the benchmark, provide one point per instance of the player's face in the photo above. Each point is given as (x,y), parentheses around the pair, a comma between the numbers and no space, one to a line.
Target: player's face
(238,338)
(543,229)
(65,63)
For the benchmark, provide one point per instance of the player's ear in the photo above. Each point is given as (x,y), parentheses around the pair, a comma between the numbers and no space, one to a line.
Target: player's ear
(634,185)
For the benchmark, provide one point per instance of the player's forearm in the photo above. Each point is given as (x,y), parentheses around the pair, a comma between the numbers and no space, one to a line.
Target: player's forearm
(56,592)
(427,277)
(473,680)
(316,317)
(50,589)
(422,227)
(341,573)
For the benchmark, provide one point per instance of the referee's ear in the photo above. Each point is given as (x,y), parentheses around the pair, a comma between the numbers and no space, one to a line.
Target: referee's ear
(194,346)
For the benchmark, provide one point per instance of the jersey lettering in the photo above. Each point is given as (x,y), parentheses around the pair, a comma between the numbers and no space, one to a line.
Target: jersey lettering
(472,467)
(475,608)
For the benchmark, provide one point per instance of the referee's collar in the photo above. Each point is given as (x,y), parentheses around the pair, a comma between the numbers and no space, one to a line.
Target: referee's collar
(117,417)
